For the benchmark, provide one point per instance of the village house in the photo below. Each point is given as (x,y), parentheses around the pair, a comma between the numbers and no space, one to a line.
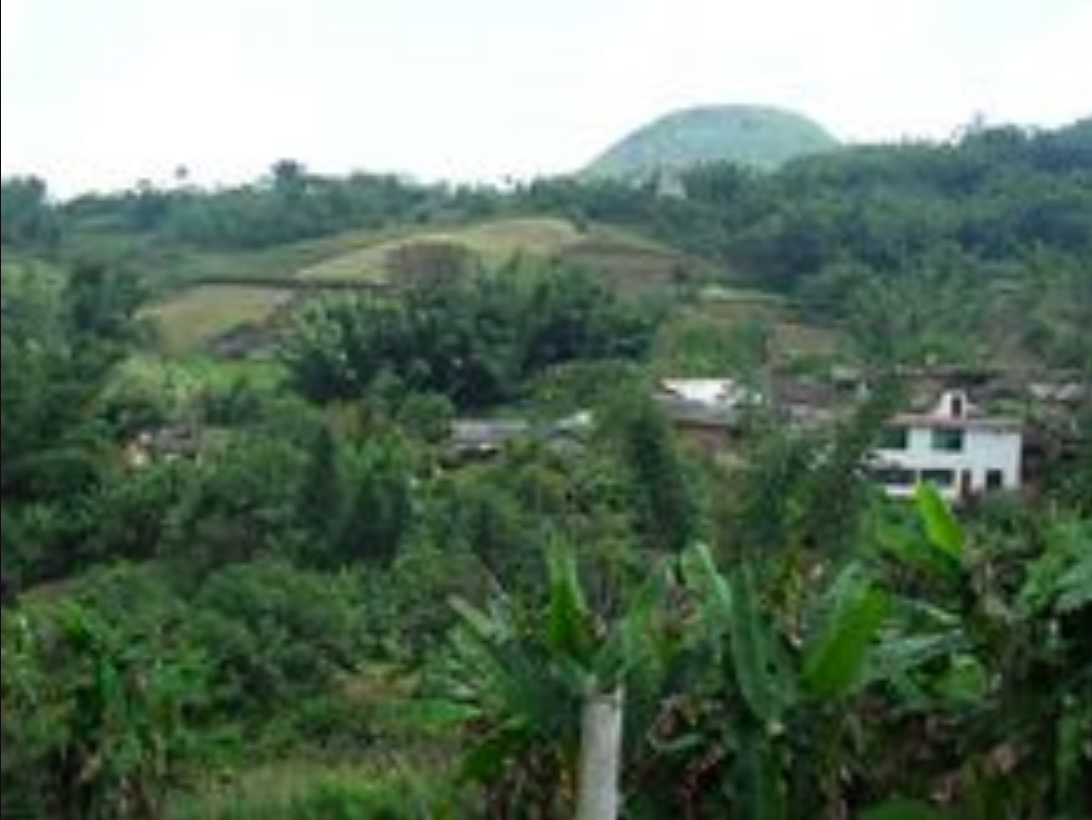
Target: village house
(705,411)
(954,446)
(480,438)
(167,443)
(472,439)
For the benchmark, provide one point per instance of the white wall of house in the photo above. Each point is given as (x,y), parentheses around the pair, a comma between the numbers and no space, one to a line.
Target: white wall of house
(988,457)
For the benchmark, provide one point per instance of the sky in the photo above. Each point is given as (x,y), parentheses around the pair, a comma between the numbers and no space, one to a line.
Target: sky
(99,94)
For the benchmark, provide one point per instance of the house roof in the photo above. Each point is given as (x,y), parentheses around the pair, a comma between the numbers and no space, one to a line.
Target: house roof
(695,414)
(932,422)
(487,432)
(955,412)
(709,392)
(490,435)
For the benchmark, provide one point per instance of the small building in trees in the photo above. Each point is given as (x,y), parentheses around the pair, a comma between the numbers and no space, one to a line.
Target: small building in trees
(705,411)
(716,393)
(480,438)
(955,446)
(473,439)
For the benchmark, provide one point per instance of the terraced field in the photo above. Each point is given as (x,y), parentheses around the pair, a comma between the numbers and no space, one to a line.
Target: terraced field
(195,317)
(229,294)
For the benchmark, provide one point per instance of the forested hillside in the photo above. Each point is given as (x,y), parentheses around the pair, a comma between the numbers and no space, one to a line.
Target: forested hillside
(927,249)
(346,496)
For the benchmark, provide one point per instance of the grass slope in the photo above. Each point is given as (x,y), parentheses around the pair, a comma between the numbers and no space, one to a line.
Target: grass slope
(231,291)
(192,318)
(492,241)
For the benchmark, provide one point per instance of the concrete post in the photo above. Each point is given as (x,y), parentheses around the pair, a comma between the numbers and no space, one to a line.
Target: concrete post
(600,756)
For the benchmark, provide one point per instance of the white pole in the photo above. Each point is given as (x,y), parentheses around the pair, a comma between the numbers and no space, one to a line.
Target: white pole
(600,756)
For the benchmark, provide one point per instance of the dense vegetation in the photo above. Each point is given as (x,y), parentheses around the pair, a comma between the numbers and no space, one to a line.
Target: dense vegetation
(270,587)
(961,237)
(475,339)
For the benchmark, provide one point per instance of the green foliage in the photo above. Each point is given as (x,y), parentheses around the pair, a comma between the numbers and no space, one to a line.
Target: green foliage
(129,517)
(473,339)
(311,793)
(405,604)
(520,675)
(704,346)
(56,451)
(835,654)
(568,621)
(940,525)
(238,503)
(27,217)
(102,301)
(275,634)
(802,489)
(1060,580)
(658,482)
(371,512)
(288,205)
(834,661)
(905,810)
(917,248)
(817,696)
(95,714)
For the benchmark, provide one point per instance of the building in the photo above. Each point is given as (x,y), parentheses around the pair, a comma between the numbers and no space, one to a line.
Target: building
(705,411)
(472,439)
(712,393)
(480,438)
(955,446)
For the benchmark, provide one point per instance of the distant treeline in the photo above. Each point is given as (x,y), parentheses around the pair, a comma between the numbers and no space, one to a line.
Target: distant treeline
(289,204)
(994,193)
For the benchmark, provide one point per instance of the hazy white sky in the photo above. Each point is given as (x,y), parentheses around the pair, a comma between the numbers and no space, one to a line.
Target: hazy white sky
(101,93)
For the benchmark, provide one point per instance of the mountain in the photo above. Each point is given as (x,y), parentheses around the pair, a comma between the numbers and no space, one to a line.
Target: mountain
(758,136)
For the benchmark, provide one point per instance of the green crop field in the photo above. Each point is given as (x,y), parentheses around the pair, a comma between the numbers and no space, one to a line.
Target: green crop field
(197,316)
(493,242)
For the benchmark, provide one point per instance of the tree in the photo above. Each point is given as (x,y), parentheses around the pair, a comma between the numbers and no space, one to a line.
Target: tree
(238,504)
(376,501)
(275,634)
(663,502)
(475,339)
(27,218)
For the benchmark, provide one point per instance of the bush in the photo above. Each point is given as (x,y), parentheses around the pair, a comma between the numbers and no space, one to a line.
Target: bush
(275,634)
(96,714)
(300,792)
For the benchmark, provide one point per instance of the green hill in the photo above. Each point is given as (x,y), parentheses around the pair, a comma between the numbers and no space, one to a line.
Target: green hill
(750,135)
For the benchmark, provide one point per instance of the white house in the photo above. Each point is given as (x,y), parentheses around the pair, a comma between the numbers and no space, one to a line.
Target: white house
(954,446)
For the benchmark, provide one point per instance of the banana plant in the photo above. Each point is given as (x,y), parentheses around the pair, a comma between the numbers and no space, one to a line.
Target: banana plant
(521,677)
(775,687)
(889,667)
(693,644)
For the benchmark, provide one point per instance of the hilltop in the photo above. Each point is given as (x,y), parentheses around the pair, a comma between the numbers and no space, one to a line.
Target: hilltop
(756,136)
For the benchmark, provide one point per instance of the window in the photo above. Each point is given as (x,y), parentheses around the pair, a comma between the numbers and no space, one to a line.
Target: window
(941,478)
(894,438)
(948,441)
(995,479)
(966,483)
(894,476)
